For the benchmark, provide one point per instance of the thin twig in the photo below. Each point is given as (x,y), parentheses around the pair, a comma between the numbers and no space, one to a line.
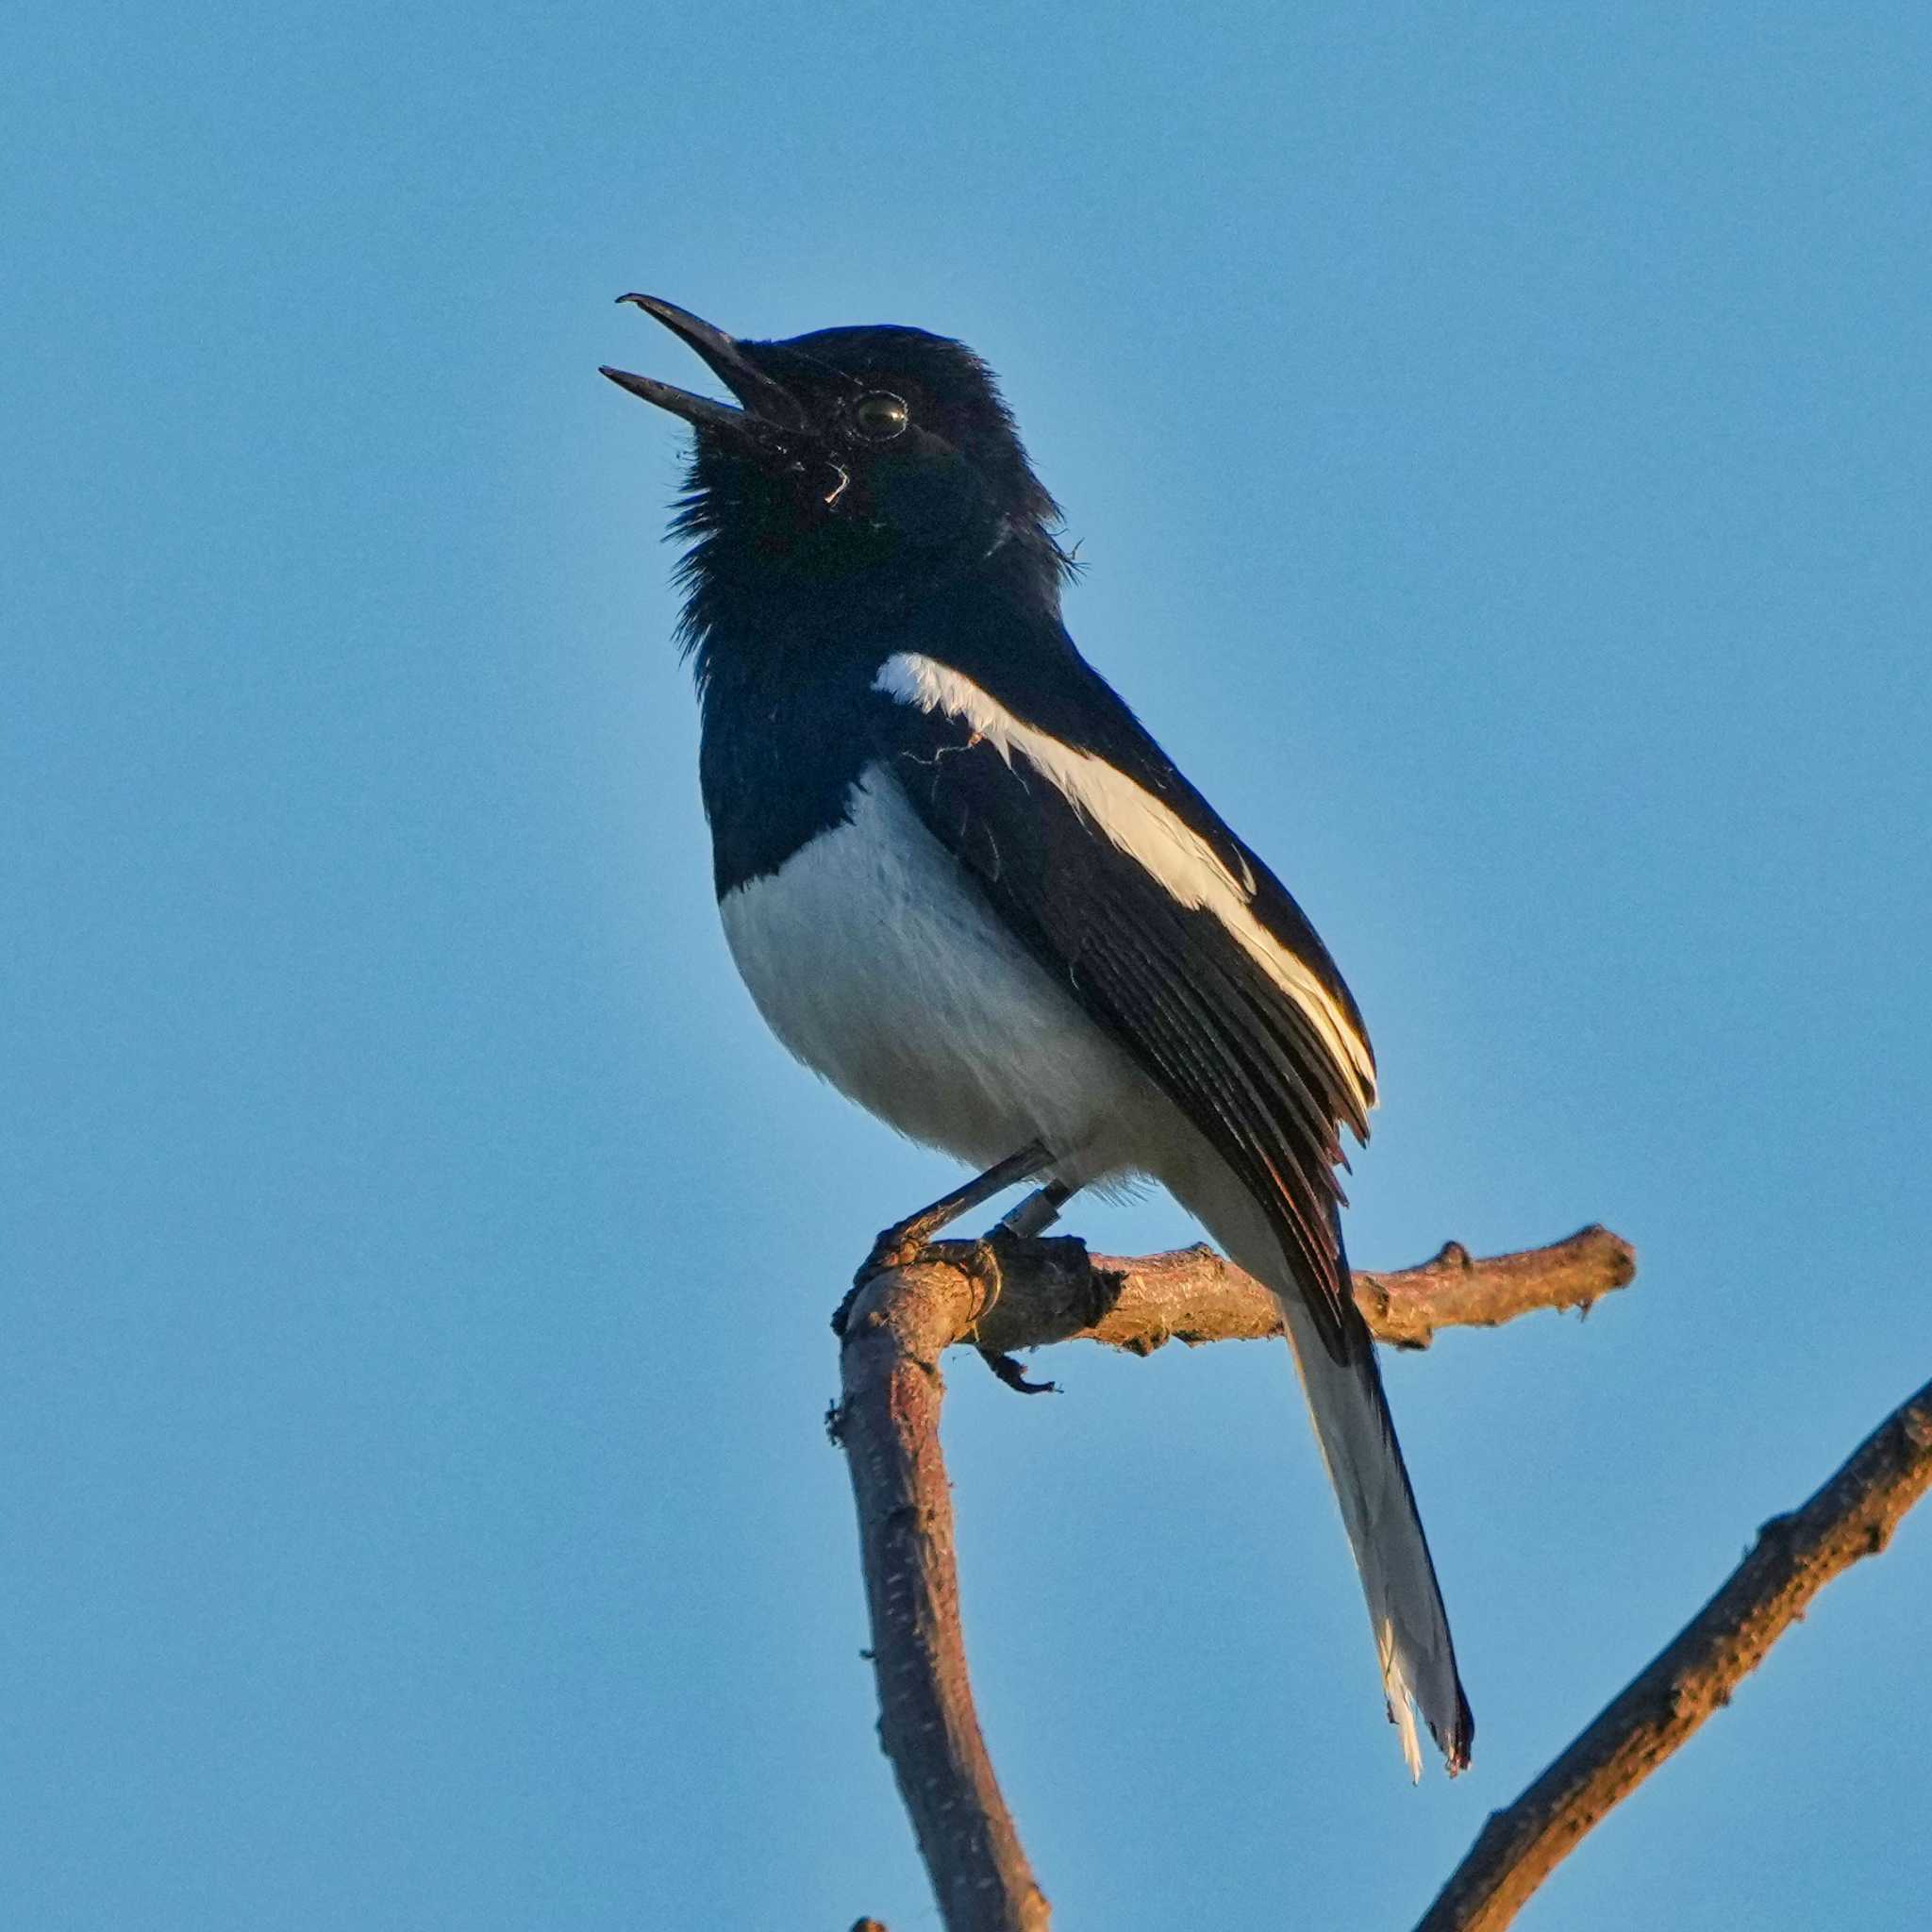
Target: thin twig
(1795,1557)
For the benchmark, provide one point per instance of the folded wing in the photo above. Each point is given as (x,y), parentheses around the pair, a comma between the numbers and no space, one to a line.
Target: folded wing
(1179,942)
(1170,931)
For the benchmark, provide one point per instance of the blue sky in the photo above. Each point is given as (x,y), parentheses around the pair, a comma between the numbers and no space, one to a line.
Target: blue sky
(1498,442)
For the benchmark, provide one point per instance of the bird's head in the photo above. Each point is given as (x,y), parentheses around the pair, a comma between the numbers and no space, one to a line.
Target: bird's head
(853,457)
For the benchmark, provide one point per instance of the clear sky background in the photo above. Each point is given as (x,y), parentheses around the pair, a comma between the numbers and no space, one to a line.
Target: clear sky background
(1498,438)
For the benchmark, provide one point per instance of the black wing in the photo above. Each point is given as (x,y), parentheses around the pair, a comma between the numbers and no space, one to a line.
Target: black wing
(1188,990)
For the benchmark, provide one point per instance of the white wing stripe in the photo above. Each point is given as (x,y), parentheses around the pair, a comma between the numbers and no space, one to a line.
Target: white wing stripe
(1144,828)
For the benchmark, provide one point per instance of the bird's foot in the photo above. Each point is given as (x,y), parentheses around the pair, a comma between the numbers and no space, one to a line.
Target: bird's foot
(1013,1376)
(986,1267)
(901,1244)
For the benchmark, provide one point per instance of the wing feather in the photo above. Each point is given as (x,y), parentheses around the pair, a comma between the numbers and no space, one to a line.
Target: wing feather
(1202,1007)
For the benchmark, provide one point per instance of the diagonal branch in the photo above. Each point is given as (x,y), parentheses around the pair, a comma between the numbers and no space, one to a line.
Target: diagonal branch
(1795,1556)
(1019,1294)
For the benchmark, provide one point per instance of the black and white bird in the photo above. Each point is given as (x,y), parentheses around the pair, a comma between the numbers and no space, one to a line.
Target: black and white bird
(964,884)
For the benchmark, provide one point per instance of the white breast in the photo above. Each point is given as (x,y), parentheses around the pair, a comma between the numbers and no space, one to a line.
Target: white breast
(874,958)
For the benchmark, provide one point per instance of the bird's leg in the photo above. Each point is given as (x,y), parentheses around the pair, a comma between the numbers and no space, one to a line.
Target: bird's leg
(1035,1213)
(902,1241)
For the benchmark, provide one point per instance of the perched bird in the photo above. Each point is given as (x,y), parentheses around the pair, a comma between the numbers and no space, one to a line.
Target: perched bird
(964,884)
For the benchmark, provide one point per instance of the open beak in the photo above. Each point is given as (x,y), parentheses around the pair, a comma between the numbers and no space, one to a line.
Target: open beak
(769,413)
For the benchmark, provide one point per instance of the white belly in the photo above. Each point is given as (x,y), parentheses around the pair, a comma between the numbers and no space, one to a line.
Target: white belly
(873,956)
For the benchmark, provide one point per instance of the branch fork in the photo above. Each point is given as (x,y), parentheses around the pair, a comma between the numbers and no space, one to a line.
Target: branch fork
(1004,1294)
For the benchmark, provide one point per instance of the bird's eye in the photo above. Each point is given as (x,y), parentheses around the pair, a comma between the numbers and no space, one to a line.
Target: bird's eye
(881,417)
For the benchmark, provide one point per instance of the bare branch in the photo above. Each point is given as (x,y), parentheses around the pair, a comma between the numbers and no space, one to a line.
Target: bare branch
(1456,1291)
(1795,1557)
(1019,1294)
(888,1420)
(1008,1295)
(1053,1291)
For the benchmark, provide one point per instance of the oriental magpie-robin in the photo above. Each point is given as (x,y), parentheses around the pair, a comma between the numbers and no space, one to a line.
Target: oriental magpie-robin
(964,885)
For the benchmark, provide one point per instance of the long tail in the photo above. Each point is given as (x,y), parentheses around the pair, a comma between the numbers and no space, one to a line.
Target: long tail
(1356,1438)
(1357,1441)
